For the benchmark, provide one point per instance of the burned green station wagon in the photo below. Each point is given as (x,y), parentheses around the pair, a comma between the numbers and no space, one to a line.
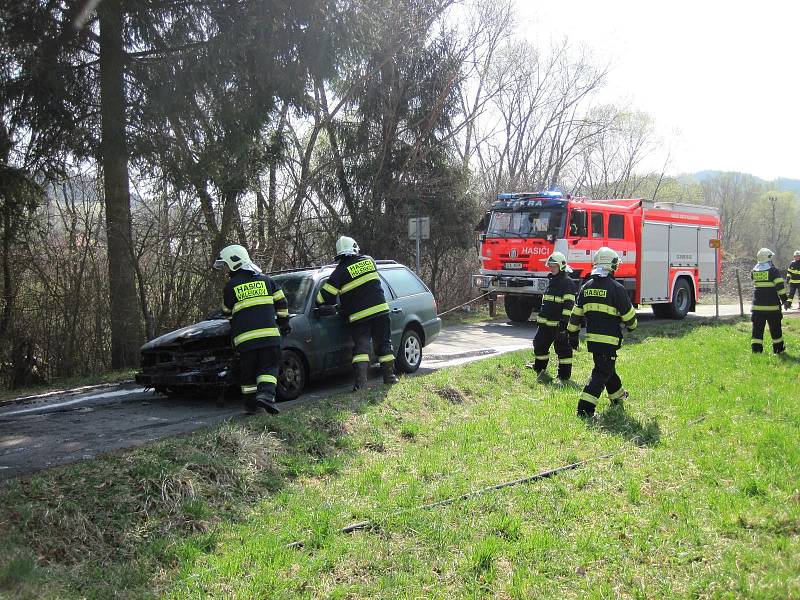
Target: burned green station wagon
(200,357)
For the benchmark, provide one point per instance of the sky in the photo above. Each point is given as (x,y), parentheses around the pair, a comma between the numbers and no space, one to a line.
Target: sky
(720,79)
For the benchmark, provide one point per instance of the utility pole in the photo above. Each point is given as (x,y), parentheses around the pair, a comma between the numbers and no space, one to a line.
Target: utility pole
(773,200)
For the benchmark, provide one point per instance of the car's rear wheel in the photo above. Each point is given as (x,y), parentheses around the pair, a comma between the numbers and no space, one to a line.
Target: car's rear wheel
(409,356)
(292,377)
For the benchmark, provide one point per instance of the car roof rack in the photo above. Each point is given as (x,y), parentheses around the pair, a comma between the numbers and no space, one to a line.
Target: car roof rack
(332,266)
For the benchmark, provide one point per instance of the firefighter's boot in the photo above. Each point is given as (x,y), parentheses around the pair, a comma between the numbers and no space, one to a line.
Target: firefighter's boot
(543,377)
(585,409)
(360,375)
(267,402)
(778,348)
(619,398)
(389,378)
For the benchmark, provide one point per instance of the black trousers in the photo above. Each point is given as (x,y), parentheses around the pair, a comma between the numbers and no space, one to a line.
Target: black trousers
(794,287)
(604,376)
(773,319)
(259,372)
(379,331)
(548,336)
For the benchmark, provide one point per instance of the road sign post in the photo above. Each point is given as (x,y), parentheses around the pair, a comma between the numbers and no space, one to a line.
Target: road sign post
(419,228)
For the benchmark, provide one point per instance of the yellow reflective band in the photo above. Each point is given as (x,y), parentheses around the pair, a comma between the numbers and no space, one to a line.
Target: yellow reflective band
(386,358)
(320,299)
(249,389)
(553,298)
(367,312)
(566,312)
(763,284)
(618,394)
(266,379)
(256,334)
(757,340)
(541,357)
(361,358)
(565,361)
(226,310)
(633,325)
(357,282)
(279,295)
(601,308)
(777,341)
(577,311)
(778,280)
(543,321)
(330,289)
(284,312)
(573,328)
(257,301)
(602,339)
(629,315)
(588,397)
(763,307)
(569,297)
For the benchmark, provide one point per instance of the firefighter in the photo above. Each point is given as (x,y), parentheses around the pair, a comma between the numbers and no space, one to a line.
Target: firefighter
(259,316)
(769,292)
(793,273)
(602,304)
(355,281)
(553,317)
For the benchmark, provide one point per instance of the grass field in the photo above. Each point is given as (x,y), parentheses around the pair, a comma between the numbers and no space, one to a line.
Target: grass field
(700,498)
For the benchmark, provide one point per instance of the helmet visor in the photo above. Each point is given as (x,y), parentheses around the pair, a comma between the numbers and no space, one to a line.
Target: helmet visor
(219,264)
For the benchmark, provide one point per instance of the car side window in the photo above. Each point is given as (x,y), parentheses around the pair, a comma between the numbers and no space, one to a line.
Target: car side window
(597,225)
(403,282)
(616,227)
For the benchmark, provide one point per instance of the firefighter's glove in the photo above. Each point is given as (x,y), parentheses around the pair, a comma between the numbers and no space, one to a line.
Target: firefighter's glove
(285,329)
(574,342)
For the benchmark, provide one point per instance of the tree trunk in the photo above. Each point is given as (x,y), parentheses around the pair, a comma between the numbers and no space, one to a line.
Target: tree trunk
(125,327)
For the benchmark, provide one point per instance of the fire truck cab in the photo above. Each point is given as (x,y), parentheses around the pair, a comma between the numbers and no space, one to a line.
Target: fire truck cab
(665,256)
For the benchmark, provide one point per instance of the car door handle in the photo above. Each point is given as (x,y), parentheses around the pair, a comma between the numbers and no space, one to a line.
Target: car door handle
(397,310)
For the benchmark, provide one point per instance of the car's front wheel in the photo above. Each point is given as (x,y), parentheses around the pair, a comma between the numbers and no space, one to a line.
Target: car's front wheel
(409,356)
(292,376)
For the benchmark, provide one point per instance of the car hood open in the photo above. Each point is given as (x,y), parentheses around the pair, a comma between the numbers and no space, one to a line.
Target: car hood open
(203,329)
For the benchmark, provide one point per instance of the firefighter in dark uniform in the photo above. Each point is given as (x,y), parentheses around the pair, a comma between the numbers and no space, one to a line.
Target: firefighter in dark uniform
(769,293)
(355,281)
(603,305)
(553,317)
(793,275)
(259,316)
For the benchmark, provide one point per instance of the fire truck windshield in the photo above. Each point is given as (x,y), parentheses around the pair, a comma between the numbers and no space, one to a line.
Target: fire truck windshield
(546,224)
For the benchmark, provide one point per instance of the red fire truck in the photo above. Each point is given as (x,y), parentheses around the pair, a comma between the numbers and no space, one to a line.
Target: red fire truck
(667,258)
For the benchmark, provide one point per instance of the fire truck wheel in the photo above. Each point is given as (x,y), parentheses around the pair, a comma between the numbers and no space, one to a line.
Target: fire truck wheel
(681,300)
(518,308)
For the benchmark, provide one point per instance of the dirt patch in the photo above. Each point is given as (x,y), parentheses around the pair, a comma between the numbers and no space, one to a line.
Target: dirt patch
(451,394)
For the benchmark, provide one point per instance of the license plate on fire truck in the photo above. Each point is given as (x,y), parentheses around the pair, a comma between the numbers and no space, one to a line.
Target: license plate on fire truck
(512,265)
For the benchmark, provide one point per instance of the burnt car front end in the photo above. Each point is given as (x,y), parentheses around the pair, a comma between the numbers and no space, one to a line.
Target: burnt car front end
(195,358)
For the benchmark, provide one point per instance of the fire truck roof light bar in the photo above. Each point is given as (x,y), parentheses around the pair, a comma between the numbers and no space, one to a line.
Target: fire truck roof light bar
(520,195)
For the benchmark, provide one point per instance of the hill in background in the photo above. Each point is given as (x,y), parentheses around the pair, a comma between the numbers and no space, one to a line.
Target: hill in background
(782,184)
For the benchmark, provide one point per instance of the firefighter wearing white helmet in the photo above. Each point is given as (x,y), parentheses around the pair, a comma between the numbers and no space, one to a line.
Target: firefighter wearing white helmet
(356,283)
(769,294)
(557,303)
(259,316)
(793,274)
(602,305)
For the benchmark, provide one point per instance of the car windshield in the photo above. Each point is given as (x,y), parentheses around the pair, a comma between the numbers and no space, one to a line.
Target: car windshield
(297,287)
(542,223)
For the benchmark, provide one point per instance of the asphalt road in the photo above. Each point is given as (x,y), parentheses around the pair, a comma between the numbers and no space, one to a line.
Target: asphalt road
(61,429)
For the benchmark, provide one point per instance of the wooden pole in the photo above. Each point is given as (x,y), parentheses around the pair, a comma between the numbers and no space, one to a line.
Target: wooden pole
(739,288)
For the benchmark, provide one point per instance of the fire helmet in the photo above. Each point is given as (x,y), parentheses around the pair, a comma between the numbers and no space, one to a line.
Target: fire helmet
(764,255)
(557,259)
(235,256)
(346,246)
(606,258)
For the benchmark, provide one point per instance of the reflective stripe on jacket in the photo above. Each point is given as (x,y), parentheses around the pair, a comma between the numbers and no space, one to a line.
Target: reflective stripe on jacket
(602,304)
(257,305)
(769,290)
(355,281)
